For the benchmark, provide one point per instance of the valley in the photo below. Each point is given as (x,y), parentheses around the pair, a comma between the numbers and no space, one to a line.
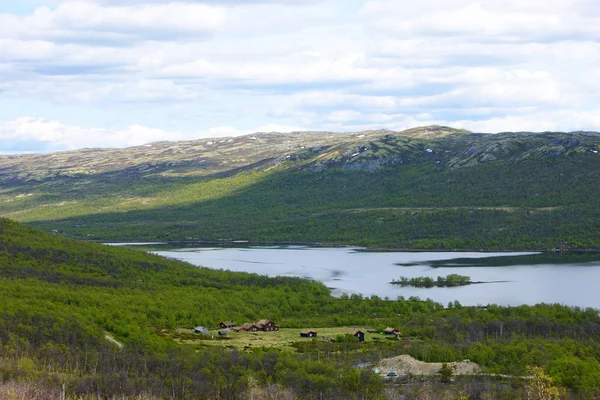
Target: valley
(86,320)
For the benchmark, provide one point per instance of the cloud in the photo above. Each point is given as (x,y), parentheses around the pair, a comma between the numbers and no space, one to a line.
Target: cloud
(511,20)
(190,66)
(226,131)
(220,2)
(541,121)
(89,22)
(43,135)
(526,121)
(278,70)
(50,135)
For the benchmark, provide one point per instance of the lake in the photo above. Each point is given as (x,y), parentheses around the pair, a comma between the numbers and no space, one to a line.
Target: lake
(570,279)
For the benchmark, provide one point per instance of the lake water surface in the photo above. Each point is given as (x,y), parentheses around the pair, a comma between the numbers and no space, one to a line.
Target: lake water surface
(532,278)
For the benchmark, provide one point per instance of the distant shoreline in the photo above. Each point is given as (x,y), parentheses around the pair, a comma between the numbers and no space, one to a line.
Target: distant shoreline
(244,243)
(435,284)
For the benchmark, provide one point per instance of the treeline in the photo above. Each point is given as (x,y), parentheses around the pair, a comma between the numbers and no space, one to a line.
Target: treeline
(426,281)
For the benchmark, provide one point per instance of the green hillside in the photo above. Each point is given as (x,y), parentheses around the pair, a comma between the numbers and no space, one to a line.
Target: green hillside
(97,321)
(432,188)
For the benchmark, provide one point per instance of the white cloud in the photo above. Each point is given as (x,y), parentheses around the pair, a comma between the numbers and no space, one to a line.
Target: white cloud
(86,21)
(52,135)
(224,131)
(541,121)
(191,66)
(284,69)
(12,49)
(221,2)
(490,20)
(340,99)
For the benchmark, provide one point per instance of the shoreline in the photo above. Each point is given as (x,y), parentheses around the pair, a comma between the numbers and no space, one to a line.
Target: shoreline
(244,243)
(436,285)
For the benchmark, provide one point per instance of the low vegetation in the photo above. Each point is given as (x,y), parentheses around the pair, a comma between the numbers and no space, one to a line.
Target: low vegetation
(61,298)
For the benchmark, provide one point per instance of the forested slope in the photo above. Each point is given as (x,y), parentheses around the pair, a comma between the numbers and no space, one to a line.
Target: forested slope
(434,188)
(60,297)
(430,188)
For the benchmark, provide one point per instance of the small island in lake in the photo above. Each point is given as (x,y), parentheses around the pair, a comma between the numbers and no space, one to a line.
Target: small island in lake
(426,281)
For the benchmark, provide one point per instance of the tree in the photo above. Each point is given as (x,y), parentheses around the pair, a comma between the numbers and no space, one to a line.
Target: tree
(583,376)
(541,386)
(446,372)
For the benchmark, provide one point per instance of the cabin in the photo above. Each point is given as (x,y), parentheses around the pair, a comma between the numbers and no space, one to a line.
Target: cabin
(360,335)
(391,331)
(201,329)
(248,327)
(309,334)
(223,332)
(227,324)
(266,325)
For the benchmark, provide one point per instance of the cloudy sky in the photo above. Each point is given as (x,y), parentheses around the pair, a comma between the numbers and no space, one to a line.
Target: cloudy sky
(114,73)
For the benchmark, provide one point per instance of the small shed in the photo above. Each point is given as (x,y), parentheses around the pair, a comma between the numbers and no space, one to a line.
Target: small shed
(227,324)
(391,331)
(223,332)
(201,329)
(360,335)
(309,334)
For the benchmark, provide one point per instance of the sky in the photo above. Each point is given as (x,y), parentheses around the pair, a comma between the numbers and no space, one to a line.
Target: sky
(117,73)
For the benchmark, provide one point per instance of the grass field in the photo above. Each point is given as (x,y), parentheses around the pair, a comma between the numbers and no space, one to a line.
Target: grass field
(283,339)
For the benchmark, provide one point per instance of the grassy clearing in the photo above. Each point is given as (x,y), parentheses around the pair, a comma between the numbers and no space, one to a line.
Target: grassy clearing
(284,339)
(143,196)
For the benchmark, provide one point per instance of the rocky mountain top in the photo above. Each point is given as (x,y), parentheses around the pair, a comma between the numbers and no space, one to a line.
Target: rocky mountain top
(310,151)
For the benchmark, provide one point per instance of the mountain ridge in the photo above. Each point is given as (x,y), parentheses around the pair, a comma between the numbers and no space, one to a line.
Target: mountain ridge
(82,160)
(457,190)
(218,155)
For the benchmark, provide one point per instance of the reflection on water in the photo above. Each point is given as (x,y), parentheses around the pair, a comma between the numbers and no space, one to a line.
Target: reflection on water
(528,278)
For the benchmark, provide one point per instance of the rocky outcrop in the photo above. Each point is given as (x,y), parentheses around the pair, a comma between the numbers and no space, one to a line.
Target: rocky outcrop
(307,151)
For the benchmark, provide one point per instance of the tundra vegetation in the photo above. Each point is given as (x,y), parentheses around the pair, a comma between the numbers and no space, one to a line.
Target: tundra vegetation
(60,299)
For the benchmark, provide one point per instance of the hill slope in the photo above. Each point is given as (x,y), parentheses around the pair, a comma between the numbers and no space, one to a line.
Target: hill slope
(60,300)
(430,187)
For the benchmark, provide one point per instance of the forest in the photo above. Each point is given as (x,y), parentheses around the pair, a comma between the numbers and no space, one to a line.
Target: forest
(60,298)
(462,191)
